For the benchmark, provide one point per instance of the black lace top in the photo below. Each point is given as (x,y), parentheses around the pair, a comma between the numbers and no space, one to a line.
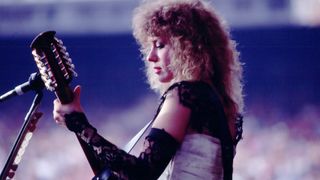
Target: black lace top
(205,107)
(160,147)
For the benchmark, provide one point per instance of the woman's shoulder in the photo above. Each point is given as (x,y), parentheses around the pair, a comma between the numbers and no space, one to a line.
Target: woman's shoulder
(190,85)
(190,93)
(190,88)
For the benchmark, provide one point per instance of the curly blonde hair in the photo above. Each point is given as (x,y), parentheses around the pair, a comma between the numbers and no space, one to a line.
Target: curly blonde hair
(202,47)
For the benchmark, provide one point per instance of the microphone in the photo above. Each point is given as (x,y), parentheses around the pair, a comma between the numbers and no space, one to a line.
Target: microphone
(34,83)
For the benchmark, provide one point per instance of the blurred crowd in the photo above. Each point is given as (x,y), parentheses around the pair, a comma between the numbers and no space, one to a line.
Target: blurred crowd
(284,147)
(276,145)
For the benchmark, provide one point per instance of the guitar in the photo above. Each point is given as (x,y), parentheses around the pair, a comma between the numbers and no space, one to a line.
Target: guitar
(57,71)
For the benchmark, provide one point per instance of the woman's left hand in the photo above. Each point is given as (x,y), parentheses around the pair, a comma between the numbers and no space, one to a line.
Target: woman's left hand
(60,110)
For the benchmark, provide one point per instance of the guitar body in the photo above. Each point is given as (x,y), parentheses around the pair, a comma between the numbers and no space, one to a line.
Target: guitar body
(57,71)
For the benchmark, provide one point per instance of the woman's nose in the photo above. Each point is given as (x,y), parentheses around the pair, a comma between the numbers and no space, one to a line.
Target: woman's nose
(152,56)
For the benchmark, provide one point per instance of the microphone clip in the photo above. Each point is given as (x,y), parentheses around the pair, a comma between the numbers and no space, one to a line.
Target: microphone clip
(34,83)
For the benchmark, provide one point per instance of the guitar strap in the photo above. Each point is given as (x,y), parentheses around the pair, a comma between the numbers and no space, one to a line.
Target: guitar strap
(105,173)
(129,146)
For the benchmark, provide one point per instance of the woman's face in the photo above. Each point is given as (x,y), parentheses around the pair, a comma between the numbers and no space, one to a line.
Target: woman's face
(159,58)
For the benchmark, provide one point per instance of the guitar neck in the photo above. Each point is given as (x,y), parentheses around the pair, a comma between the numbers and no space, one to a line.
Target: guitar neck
(57,70)
(64,94)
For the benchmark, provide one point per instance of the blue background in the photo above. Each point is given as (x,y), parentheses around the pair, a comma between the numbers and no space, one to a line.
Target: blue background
(281,78)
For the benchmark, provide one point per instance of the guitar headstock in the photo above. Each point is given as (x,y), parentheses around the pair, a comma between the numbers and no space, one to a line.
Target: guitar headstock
(54,64)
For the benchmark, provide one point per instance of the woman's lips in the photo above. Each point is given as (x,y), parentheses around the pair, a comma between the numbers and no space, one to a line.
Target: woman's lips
(157,70)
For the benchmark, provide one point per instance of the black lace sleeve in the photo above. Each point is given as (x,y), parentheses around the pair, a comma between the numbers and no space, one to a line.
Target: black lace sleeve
(191,94)
(198,97)
(160,147)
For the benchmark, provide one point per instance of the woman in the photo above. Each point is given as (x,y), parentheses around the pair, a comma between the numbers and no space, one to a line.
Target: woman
(191,61)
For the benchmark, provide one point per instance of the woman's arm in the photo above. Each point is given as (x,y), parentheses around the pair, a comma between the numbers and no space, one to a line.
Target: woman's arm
(159,146)
(174,116)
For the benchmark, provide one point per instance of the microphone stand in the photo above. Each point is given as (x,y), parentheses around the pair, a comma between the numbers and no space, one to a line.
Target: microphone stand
(23,138)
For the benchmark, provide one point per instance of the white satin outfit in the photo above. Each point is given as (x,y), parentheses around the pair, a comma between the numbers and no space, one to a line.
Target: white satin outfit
(199,158)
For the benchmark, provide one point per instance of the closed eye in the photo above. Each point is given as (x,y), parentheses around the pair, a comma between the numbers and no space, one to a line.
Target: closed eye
(159,45)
